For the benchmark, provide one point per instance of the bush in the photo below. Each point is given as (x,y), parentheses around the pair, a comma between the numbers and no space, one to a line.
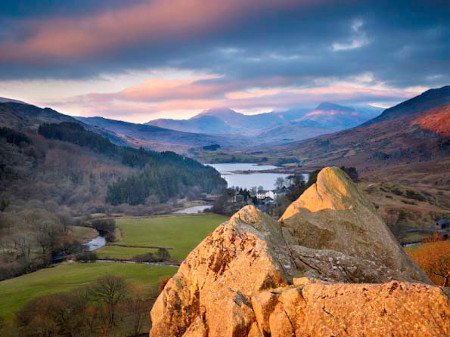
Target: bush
(86,257)
(351,172)
(161,255)
(434,259)
(147,257)
(106,228)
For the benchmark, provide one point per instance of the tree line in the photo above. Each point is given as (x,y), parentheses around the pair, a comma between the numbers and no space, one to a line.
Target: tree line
(161,175)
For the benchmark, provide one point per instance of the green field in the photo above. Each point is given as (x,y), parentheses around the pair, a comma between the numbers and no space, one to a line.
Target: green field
(179,232)
(14,293)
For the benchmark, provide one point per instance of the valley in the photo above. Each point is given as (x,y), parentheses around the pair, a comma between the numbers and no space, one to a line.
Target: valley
(224,168)
(70,181)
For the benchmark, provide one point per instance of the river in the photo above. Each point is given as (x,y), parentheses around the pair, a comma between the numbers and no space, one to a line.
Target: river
(95,243)
(232,173)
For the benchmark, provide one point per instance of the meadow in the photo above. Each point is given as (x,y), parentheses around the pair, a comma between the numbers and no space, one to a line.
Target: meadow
(67,276)
(179,233)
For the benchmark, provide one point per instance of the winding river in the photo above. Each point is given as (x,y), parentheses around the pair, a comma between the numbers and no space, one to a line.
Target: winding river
(96,243)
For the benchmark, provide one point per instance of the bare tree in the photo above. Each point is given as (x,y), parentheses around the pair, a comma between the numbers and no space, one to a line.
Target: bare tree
(279,183)
(110,290)
(23,246)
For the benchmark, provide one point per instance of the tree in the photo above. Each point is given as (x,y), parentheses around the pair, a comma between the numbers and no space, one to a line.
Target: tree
(110,290)
(297,187)
(163,254)
(279,183)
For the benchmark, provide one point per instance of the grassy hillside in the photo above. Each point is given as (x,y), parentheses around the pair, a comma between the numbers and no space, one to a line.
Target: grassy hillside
(181,233)
(14,293)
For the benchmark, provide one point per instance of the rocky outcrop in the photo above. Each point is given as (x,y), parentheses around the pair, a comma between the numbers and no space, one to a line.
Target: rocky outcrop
(336,234)
(306,275)
(388,309)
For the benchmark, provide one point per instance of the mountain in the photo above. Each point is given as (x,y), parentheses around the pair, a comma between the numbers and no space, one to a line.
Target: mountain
(338,117)
(328,267)
(157,138)
(36,141)
(222,121)
(428,100)
(413,131)
(273,127)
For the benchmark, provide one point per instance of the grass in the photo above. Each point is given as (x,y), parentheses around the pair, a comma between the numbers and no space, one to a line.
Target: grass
(83,233)
(14,293)
(182,233)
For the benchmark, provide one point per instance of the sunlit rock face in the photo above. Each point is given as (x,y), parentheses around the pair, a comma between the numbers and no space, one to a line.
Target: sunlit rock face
(335,233)
(307,274)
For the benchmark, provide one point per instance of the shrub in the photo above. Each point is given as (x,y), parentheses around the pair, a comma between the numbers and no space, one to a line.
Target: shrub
(147,257)
(351,172)
(435,237)
(106,228)
(86,257)
(434,259)
(161,255)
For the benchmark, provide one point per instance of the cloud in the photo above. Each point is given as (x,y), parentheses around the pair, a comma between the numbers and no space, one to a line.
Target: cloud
(358,40)
(150,22)
(183,98)
(146,58)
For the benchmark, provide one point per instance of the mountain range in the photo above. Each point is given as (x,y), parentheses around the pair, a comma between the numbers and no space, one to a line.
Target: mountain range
(416,130)
(299,123)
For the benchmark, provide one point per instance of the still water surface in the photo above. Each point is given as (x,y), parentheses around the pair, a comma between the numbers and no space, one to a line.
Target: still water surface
(244,180)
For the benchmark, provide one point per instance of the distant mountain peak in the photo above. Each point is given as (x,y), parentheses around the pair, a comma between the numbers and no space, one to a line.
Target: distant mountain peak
(224,111)
(333,106)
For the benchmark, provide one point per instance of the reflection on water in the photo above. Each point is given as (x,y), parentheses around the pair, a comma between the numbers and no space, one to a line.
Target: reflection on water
(193,210)
(266,180)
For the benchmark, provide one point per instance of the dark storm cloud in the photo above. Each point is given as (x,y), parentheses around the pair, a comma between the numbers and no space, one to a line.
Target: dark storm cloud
(401,43)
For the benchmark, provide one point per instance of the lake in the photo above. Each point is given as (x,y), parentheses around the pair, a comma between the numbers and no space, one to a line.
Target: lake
(229,172)
(193,209)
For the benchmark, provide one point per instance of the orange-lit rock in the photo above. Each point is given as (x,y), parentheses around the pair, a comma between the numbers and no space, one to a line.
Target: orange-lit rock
(257,277)
(388,309)
(335,233)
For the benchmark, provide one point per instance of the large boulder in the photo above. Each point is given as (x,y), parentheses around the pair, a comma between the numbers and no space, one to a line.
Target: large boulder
(318,309)
(336,234)
(254,276)
(211,291)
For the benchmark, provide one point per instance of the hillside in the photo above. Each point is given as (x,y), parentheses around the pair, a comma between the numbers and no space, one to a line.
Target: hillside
(157,138)
(54,175)
(413,131)
(18,115)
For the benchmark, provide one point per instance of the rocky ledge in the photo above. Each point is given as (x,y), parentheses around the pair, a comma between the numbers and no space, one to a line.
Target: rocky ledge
(328,267)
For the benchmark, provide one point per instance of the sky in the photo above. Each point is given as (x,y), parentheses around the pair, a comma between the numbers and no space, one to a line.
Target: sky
(141,60)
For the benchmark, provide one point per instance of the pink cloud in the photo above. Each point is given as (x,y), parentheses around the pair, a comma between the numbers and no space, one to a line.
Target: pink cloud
(151,21)
(158,98)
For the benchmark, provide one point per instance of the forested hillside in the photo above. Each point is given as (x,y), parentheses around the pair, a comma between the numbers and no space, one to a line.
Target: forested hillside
(53,176)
